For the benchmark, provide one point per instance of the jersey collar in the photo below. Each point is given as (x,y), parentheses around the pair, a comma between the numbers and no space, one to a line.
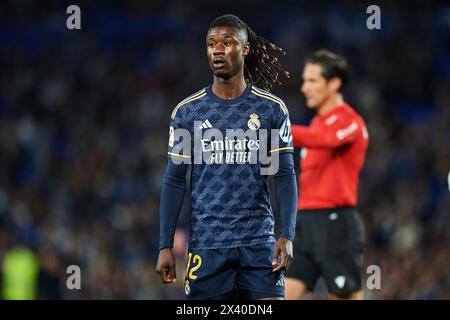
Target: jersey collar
(237,100)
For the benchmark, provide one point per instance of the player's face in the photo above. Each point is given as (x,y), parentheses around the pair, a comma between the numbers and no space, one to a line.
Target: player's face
(315,86)
(226,51)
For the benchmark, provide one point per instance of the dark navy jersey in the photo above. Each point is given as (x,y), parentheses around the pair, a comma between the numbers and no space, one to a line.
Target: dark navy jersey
(230,204)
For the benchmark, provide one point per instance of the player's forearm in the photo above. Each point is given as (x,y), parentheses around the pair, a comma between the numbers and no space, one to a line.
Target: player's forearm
(286,191)
(172,195)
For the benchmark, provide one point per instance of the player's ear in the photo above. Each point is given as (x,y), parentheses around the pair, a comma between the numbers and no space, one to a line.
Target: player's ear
(334,84)
(246,48)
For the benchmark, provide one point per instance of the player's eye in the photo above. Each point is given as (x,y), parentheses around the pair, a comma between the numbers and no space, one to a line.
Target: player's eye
(210,45)
(228,43)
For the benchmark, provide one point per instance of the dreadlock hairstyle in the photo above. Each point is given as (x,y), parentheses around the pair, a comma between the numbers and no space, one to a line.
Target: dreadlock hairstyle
(261,66)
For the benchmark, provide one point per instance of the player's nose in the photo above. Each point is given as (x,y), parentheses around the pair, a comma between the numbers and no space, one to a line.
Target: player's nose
(219,49)
(303,88)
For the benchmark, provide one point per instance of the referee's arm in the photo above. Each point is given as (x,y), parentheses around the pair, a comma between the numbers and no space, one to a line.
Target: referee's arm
(334,136)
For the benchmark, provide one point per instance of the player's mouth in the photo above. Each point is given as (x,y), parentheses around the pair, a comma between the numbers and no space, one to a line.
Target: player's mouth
(218,63)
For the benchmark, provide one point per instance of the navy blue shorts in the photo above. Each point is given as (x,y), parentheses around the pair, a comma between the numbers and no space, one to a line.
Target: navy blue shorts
(233,273)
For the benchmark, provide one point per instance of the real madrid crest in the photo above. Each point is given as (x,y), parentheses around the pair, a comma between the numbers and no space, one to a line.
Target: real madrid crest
(254,123)
(187,287)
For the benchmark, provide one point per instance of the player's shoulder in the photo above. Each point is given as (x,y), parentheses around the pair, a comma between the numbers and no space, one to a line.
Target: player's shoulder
(350,117)
(274,100)
(189,101)
(351,113)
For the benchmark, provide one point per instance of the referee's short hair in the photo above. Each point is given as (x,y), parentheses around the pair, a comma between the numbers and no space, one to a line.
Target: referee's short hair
(333,66)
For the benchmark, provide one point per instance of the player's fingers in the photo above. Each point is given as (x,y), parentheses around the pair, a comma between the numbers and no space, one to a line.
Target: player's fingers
(159,270)
(167,273)
(172,273)
(169,279)
(164,275)
(283,259)
(288,261)
(276,254)
(278,267)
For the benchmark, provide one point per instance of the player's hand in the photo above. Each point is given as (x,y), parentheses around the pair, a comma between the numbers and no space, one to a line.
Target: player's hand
(166,266)
(283,248)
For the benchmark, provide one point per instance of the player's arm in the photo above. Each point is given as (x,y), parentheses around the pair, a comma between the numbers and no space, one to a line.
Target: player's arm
(172,195)
(339,133)
(286,188)
(286,193)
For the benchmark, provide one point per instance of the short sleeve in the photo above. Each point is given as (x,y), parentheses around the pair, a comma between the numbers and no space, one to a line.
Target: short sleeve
(282,140)
(179,145)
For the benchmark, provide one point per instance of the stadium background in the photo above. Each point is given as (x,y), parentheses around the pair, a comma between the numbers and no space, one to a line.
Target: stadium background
(84,123)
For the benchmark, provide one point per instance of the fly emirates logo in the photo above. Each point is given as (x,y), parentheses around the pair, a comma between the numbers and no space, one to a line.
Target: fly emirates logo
(230,146)
(230,150)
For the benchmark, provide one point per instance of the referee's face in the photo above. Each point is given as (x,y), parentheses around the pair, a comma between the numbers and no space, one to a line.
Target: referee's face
(226,51)
(314,87)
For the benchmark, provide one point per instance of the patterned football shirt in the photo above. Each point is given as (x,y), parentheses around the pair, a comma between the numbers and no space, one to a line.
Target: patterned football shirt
(225,141)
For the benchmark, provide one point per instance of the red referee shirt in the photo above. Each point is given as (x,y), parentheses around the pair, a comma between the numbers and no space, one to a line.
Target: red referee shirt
(334,149)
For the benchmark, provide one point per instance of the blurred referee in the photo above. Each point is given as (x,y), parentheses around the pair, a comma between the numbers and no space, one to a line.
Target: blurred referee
(330,233)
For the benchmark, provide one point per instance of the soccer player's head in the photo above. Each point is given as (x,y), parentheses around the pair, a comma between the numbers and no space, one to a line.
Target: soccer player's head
(324,74)
(233,47)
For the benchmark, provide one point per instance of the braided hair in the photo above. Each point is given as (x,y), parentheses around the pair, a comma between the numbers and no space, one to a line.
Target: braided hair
(261,66)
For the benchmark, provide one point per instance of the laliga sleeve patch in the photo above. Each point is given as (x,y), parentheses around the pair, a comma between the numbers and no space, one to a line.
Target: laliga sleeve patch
(171,136)
(285,131)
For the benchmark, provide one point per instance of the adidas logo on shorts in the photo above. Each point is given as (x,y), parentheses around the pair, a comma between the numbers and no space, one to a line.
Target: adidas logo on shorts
(280,282)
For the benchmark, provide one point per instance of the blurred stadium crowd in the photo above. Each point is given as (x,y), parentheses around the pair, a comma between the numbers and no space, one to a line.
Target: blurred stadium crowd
(84,125)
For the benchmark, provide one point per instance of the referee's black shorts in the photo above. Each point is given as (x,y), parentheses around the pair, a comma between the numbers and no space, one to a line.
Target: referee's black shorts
(329,243)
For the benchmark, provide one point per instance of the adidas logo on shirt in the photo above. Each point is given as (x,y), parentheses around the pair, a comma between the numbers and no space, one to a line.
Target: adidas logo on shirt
(206,125)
